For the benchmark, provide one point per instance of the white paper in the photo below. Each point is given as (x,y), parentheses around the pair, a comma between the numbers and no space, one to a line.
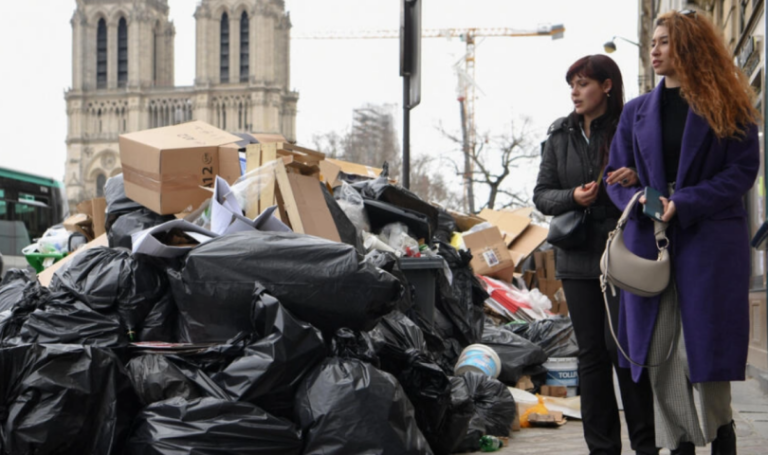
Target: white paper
(227,216)
(145,242)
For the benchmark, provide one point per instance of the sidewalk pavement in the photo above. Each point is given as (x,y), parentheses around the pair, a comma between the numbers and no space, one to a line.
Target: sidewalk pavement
(750,406)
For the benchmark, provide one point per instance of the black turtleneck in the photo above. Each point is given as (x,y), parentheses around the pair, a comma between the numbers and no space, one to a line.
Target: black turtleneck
(674,112)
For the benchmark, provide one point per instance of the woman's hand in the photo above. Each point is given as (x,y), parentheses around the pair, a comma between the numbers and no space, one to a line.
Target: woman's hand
(669,209)
(624,176)
(585,195)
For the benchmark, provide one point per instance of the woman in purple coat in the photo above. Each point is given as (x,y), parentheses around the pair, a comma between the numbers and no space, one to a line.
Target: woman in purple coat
(694,139)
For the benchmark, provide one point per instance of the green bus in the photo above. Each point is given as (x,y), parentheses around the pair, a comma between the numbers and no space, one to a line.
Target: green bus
(29,204)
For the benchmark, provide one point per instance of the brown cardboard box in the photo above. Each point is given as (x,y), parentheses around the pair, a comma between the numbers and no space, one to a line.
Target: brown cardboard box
(165,168)
(80,223)
(525,383)
(310,204)
(490,254)
(516,423)
(96,209)
(557,391)
(335,170)
(465,222)
(525,244)
(46,275)
(549,263)
(511,224)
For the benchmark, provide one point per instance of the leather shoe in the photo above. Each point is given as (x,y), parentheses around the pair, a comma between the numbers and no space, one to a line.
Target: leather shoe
(725,442)
(685,448)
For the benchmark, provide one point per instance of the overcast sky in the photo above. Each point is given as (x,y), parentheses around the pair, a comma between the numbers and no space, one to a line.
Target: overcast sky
(517,76)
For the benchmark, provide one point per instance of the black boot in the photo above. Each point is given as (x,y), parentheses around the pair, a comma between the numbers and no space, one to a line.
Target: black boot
(725,442)
(685,448)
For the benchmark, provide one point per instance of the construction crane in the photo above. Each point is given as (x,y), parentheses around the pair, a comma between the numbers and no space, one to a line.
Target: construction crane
(467,89)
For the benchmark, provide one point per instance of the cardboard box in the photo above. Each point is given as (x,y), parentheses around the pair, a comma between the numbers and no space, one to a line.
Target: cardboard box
(165,168)
(528,242)
(557,391)
(552,419)
(511,224)
(465,222)
(336,171)
(80,223)
(525,383)
(490,254)
(549,263)
(96,209)
(516,423)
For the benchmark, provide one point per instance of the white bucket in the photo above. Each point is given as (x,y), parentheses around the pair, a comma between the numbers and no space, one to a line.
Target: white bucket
(563,371)
(478,358)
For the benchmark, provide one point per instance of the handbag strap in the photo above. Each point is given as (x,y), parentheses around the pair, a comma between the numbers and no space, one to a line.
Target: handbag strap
(659,228)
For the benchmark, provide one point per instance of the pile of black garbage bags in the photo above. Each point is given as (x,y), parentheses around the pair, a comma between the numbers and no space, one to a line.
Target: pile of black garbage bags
(253,343)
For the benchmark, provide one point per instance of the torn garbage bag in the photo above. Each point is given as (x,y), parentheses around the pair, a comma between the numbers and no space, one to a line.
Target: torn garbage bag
(208,426)
(324,283)
(283,351)
(403,353)
(518,356)
(111,280)
(65,399)
(554,335)
(347,406)
(494,410)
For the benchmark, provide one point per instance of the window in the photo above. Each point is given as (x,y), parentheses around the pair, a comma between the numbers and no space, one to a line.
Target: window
(101,180)
(122,53)
(101,55)
(224,63)
(244,47)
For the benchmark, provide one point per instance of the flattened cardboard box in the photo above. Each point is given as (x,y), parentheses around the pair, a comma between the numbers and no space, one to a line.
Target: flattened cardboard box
(490,254)
(165,168)
(510,223)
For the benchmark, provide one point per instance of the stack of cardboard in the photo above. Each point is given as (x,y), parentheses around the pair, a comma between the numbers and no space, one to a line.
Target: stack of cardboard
(543,279)
(89,219)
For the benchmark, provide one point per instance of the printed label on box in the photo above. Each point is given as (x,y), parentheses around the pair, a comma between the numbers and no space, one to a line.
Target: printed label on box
(490,258)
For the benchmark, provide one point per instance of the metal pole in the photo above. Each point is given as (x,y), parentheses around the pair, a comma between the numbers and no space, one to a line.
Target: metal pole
(469,196)
(406,172)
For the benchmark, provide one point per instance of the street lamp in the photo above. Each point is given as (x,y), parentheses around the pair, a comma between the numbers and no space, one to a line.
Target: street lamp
(610,46)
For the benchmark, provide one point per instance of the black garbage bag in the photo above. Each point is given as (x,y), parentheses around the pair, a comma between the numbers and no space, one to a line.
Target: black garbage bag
(349,344)
(161,321)
(403,353)
(495,410)
(283,352)
(64,320)
(462,301)
(456,422)
(347,231)
(321,282)
(119,234)
(518,356)
(347,406)
(64,399)
(111,280)
(26,298)
(211,426)
(118,203)
(554,335)
(446,226)
(12,288)
(157,377)
(381,189)
(391,264)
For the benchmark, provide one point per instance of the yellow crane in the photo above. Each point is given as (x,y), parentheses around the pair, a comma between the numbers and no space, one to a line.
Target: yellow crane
(467,87)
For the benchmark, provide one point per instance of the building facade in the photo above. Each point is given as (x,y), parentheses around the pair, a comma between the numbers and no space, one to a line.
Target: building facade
(743,27)
(123,78)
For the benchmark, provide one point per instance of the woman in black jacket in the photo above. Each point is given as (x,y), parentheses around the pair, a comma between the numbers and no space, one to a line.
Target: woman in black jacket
(573,158)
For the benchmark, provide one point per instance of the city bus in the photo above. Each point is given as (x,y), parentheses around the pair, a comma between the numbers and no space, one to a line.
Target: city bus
(29,204)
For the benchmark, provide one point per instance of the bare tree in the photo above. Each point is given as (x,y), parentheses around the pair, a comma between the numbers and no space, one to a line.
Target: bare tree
(494,160)
(430,185)
(332,143)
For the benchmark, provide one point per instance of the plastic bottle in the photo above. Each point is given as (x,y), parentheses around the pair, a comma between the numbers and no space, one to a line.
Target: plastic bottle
(490,444)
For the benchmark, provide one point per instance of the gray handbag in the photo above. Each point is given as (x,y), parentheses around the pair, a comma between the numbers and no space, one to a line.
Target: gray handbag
(644,277)
(623,269)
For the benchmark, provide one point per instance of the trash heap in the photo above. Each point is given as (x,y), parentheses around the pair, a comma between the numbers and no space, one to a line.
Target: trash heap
(254,297)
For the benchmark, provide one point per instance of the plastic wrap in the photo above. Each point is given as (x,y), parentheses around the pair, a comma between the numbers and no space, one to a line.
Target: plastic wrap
(555,336)
(321,282)
(347,406)
(211,426)
(351,203)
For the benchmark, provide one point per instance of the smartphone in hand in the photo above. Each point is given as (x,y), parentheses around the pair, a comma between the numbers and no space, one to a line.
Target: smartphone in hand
(653,207)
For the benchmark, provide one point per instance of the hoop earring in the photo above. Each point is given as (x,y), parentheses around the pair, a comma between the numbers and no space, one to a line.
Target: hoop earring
(608,94)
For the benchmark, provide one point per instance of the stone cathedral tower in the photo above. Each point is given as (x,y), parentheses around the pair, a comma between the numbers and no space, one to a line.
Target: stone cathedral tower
(123,78)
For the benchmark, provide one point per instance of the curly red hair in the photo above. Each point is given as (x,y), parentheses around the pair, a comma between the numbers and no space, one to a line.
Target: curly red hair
(713,85)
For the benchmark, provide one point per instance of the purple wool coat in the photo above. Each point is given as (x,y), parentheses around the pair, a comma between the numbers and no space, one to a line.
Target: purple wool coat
(709,238)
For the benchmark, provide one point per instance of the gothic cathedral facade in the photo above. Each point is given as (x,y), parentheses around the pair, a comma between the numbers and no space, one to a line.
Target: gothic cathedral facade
(123,78)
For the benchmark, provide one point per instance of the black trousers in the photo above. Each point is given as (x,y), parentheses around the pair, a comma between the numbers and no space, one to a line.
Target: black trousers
(597,355)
